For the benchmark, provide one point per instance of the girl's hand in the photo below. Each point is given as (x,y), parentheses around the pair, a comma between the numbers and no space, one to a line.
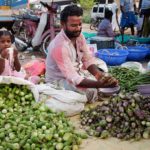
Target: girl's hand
(5,53)
(15,53)
(2,65)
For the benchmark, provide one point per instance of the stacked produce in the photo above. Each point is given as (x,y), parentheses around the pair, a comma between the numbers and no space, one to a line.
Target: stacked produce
(129,78)
(26,125)
(125,116)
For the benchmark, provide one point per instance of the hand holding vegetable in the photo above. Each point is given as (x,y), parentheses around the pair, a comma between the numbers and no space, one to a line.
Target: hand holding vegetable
(107,81)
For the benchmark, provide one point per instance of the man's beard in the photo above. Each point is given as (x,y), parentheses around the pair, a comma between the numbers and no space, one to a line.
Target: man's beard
(72,34)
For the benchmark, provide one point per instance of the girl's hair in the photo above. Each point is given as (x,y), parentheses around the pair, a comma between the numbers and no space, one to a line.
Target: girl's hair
(7,33)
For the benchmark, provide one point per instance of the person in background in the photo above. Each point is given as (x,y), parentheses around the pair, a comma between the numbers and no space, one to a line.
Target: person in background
(105,27)
(6,67)
(67,52)
(115,15)
(9,62)
(128,18)
(145,11)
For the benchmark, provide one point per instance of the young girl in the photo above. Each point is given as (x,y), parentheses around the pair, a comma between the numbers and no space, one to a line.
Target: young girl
(9,62)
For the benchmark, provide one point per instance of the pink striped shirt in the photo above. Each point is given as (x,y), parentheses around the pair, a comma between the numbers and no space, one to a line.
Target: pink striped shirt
(64,61)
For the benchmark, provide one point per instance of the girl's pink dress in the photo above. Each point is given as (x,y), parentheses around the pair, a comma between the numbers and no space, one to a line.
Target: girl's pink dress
(9,65)
(8,71)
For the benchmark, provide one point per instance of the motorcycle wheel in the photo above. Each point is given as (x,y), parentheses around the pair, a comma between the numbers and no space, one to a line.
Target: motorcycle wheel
(45,44)
(19,46)
(97,24)
(92,24)
(47,39)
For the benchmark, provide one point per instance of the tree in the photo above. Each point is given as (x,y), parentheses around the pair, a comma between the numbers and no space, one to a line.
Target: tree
(86,4)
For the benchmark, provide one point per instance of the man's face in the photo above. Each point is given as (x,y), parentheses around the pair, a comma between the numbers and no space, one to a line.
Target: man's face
(73,26)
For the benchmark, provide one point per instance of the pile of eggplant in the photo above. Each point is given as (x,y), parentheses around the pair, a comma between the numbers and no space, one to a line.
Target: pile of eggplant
(124,116)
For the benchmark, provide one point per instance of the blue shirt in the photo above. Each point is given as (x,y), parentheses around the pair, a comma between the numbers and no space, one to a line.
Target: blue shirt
(127,5)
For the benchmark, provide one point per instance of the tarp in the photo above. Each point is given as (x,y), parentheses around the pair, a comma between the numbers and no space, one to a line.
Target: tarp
(19,3)
(49,1)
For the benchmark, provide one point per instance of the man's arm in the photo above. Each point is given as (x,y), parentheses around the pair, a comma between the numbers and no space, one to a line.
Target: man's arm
(105,82)
(95,71)
(122,6)
(134,5)
(102,80)
(122,9)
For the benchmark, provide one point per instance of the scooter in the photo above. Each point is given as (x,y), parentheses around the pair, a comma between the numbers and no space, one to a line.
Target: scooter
(34,31)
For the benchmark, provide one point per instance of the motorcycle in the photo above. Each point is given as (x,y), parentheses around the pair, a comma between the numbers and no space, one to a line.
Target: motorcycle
(95,23)
(36,32)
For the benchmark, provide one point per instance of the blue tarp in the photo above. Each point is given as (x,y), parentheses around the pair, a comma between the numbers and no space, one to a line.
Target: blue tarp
(6,19)
(13,3)
(18,3)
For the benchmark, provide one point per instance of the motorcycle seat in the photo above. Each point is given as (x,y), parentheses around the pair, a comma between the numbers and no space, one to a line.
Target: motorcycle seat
(31,17)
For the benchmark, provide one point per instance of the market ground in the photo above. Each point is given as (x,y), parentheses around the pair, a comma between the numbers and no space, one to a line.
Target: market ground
(92,143)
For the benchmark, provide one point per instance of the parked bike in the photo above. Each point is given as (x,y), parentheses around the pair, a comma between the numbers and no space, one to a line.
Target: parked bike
(33,31)
(95,23)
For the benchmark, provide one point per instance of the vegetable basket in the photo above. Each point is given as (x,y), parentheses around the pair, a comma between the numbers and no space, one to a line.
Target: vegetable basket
(137,53)
(112,57)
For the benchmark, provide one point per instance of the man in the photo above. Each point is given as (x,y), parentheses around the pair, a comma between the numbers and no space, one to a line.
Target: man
(145,10)
(128,19)
(105,27)
(67,52)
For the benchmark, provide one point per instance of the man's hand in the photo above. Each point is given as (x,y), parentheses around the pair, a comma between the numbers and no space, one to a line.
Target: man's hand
(107,81)
(104,80)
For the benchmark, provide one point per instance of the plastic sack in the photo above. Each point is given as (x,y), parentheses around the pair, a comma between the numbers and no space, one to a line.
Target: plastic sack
(35,67)
(134,65)
(101,64)
(58,100)
(20,81)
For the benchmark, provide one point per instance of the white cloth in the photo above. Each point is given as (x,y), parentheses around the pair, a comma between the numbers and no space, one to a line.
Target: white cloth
(40,29)
(114,21)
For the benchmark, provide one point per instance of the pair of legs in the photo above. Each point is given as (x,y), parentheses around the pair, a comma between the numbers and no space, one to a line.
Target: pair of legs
(91,93)
(123,29)
(128,19)
(146,26)
(131,28)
